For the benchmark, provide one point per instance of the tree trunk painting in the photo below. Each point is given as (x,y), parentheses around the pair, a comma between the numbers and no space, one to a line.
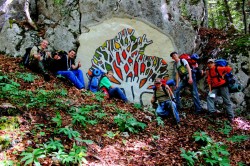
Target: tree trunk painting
(27,12)
(134,72)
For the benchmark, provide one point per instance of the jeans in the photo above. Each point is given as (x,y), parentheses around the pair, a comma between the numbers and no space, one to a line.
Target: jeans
(226,99)
(117,93)
(75,76)
(166,107)
(183,83)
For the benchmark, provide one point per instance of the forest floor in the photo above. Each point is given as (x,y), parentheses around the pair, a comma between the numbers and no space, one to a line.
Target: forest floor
(39,120)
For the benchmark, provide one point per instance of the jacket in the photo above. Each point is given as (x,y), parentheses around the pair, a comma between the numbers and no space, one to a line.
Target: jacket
(214,76)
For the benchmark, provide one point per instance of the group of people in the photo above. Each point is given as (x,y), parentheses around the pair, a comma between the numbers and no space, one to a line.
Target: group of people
(184,76)
(63,64)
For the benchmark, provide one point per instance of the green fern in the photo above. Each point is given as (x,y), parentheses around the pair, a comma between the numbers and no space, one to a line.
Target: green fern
(32,157)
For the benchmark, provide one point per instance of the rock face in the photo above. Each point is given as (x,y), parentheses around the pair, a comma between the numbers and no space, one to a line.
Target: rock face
(61,24)
(64,25)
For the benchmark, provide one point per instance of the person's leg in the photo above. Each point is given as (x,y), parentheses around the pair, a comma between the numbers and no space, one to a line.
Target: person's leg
(172,106)
(210,102)
(226,99)
(71,76)
(160,111)
(117,93)
(196,98)
(38,66)
(182,84)
(79,75)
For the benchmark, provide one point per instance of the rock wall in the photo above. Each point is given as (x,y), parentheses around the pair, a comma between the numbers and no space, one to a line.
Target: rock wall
(170,25)
(62,24)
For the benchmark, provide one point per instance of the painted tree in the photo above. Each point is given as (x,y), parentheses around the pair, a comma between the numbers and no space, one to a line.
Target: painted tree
(134,72)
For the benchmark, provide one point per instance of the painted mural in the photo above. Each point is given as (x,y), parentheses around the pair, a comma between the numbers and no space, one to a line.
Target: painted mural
(134,72)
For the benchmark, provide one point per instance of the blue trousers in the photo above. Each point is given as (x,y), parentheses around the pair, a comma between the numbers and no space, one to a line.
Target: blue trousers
(226,100)
(195,93)
(117,93)
(165,108)
(75,76)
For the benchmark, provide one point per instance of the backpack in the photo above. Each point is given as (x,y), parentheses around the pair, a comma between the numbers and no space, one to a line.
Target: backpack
(164,83)
(192,60)
(231,80)
(25,58)
(94,81)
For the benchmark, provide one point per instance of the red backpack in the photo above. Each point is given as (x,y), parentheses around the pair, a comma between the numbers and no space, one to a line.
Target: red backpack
(190,60)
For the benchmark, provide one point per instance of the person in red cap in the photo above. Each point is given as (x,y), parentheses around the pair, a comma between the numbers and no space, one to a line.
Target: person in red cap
(217,83)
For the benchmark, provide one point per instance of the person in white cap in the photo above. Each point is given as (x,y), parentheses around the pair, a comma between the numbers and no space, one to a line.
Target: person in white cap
(217,83)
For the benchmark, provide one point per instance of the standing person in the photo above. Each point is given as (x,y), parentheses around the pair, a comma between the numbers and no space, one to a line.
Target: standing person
(64,64)
(38,59)
(164,98)
(114,92)
(185,77)
(217,83)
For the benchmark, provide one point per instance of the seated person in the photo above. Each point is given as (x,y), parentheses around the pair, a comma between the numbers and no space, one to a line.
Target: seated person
(114,92)
(38,59)
(63,64)
(165,105)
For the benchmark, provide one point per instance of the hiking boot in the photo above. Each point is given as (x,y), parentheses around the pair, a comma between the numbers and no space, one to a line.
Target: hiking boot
(46,77)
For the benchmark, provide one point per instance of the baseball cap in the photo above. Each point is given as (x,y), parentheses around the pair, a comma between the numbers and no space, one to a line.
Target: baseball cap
(210,60)
(157,81)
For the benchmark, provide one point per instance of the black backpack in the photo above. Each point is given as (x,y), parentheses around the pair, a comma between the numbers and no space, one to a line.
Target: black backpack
(25,58)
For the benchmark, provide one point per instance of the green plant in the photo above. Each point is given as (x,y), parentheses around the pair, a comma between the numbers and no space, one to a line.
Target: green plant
(202,136)
(81,115)
(213,153)
(226,130)
(126,122)
(58,2)
(57,119)
(189,156)
(159,121)
(110,134)
(138,106)
(238,138)
(76,155)
(8,123)
(99,96)
(100,115)
(32,157)
(26,77)
(69,132)
(53,145)
(5,141)
(216,153)
(6,162)
(156,137)
(241,164)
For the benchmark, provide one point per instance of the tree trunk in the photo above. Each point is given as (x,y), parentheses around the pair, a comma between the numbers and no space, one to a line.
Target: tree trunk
(228,13)
(27,12)
(244,16)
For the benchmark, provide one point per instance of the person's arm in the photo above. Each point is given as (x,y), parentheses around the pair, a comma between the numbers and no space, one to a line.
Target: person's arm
(170,91)
(190,79)
(153,99)
(209,80)
(224,70)
(74,66)
(34,52)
